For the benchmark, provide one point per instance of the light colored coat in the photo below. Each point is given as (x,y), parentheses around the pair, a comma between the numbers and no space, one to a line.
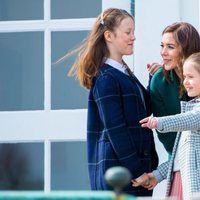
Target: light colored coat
(189,148)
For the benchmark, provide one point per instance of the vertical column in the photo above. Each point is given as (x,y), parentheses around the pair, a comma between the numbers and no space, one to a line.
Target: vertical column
(47,94)
(47,58)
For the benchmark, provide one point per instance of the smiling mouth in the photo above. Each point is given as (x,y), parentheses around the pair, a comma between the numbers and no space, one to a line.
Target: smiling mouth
(166,61)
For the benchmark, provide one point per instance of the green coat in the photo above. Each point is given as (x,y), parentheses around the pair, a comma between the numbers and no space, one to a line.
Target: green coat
(165,101)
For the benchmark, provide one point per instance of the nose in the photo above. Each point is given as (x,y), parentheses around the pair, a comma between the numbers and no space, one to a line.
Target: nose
(133,37)
(163,51)
(185,82)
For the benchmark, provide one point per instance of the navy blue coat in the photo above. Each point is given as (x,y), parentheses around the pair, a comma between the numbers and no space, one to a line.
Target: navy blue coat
(114,135)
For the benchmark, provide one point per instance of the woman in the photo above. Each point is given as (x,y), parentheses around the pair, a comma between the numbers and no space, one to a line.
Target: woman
(117,101)
(179,41)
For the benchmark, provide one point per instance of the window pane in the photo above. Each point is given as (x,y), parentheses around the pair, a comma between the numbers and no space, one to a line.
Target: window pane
(64,9)
(21,9)
(21,71)
(69,166)
(66,91)
(18,168)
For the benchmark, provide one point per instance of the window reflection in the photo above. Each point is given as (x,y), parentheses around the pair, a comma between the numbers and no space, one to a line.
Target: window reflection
(64,9)
(21,166)
(21,10)
(21,71)
(66,91)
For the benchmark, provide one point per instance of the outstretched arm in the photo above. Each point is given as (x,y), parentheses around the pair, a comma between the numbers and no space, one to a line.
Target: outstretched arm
(149,122)
(179,122)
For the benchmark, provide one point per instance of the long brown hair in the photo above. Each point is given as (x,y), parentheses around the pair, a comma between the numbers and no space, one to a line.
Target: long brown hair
(187,37)
(94,49)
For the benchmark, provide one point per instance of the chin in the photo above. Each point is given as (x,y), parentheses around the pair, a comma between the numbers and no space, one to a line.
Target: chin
(168,67)
(192,95)
(129,53)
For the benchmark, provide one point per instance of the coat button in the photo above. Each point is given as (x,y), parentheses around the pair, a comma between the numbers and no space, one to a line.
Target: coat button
(146,153)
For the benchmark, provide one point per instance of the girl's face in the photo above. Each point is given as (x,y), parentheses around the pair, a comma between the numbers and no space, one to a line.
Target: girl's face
(191,79)
(170,51)
(120,42)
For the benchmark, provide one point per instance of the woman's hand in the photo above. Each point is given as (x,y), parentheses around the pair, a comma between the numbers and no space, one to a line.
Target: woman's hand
(152,68)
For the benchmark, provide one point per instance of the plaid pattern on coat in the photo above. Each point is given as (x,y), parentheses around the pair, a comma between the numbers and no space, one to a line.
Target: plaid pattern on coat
(114,135)
(189,155)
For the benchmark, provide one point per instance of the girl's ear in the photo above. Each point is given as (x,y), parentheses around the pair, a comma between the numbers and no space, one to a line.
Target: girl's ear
(108,36)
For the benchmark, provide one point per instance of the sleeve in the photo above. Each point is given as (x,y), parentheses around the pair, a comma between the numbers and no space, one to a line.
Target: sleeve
(161,172)
(109,102)
(180,122)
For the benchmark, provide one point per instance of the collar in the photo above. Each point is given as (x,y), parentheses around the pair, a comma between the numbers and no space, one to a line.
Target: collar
(185,104)
(116,65)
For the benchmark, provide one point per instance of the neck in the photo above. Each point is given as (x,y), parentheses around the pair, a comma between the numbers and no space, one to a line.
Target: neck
(117,58)
(178,72)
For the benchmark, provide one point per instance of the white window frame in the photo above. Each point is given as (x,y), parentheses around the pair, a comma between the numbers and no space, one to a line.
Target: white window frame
(44,125)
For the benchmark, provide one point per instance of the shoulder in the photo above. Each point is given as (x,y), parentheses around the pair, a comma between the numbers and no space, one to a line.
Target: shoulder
(106,76)
(106,83)
(158,73)
(157,79)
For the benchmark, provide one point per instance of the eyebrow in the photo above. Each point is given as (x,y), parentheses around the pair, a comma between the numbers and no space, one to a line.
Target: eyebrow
(175,45)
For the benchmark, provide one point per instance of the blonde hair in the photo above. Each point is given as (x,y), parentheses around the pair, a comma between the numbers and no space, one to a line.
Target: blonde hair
(94,49)
(194,60)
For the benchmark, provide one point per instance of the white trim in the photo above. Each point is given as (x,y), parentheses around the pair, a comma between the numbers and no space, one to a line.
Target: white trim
(47,9)
(47,70)
(38,126)
(41,25)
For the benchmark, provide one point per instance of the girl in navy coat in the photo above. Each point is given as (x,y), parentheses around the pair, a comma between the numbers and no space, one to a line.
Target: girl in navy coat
(117,102)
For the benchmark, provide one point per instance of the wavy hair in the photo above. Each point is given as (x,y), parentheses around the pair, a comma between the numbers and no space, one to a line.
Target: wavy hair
(187,37)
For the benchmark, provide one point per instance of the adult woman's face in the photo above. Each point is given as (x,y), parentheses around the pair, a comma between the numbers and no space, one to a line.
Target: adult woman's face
(170,51)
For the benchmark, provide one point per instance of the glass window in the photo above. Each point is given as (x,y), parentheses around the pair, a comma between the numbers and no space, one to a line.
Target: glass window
(21,10)
(21,71)
(64,9)
(66,91)
(18,168)
(69,162)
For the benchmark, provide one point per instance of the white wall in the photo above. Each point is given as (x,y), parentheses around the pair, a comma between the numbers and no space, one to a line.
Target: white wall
(189,12)
(151,18)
